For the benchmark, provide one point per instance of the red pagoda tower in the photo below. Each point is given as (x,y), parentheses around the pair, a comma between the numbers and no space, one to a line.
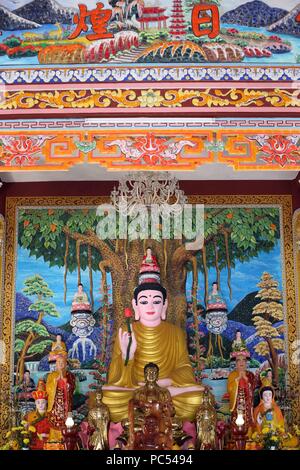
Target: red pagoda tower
(178,24)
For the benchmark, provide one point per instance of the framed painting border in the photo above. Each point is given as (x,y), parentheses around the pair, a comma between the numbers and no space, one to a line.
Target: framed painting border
(14,203)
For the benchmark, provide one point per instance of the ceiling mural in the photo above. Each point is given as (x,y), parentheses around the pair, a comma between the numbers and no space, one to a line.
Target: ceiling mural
(244,145)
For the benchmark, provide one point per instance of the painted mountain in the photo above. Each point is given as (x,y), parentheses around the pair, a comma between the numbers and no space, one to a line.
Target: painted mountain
(254,14)
(10,21)
(46,12)
(288,24)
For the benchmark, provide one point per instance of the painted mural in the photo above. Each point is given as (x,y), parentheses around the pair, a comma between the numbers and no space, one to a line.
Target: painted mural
(240,266)
(45,32)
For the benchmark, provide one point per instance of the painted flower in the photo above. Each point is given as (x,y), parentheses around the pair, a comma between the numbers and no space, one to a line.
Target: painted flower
(26,441)
(280,149)
(265,430)
(31,428)
(150,99)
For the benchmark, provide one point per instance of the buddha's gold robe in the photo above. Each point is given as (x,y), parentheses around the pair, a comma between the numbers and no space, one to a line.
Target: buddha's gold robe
(164,345)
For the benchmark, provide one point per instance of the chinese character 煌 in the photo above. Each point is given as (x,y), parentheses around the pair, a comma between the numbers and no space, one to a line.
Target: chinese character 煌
(98,17)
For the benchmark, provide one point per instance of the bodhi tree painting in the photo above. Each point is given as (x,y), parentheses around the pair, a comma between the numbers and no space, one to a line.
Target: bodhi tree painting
(241,259)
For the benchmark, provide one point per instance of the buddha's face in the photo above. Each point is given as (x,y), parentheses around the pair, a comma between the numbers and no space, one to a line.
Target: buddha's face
(267,397)
(151,374)
(238,335)
(98,398)
(40,405)
(150,308)
(58,338)
(80,289)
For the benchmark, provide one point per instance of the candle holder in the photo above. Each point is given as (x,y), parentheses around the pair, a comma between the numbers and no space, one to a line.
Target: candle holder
(70,434)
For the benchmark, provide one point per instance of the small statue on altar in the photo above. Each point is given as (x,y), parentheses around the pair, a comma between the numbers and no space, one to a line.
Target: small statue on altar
(206,419)
(98,419)
(151,400)
(60,387)
(149,437)
(57,348)
(268,413)
(38,417)
(240,386)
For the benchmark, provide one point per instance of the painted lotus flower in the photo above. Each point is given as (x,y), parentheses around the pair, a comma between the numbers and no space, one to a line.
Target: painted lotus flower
(280,149)
(150,98)
(20,151)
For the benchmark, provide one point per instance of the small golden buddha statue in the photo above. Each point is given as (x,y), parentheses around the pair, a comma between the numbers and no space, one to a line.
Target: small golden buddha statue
(98,418)
(206,420)
(151,400)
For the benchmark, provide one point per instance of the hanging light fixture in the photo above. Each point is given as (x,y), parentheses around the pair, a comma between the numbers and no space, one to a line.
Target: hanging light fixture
(148,189)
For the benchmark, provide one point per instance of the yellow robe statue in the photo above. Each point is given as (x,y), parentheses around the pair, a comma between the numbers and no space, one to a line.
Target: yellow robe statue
(165,345)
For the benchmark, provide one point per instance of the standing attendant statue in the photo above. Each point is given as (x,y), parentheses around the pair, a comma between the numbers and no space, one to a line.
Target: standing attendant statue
(98,419)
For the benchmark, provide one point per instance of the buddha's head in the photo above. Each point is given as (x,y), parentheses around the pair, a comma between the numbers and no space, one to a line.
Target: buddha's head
(151,372)
(267,395)
(80,288)
(238,336)
(98,397)
(150,304)
(215,287)
(58,339)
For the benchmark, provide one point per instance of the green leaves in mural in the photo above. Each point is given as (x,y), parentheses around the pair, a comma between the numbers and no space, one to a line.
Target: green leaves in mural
(35,285)
(19,344)
(40,347)
(46,307)
(26,326)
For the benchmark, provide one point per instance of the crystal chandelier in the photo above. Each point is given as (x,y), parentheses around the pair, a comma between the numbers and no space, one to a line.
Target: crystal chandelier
(147,189)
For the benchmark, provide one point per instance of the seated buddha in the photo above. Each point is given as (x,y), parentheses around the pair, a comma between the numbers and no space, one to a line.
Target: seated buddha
(153,339)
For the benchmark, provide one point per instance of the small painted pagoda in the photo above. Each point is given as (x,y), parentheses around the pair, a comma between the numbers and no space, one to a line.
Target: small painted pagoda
(178,25)
(153,17)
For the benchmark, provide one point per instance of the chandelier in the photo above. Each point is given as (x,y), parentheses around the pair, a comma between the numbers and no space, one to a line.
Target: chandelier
(147,189)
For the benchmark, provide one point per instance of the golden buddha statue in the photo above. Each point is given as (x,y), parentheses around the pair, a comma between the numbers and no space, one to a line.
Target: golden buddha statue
(152,340)
(151,400)
(206,419)
(98,418)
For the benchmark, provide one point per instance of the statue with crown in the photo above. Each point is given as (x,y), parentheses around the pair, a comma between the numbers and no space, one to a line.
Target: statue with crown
(151,339)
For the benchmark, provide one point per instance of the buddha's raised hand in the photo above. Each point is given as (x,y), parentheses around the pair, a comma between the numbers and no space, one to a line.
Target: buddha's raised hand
(124,340)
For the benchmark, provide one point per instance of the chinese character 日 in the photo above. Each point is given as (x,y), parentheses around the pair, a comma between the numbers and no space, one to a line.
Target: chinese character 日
(98,17)
(200,16)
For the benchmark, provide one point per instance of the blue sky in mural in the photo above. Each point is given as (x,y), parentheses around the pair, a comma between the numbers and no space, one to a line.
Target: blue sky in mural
(244,279)
(28,266)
